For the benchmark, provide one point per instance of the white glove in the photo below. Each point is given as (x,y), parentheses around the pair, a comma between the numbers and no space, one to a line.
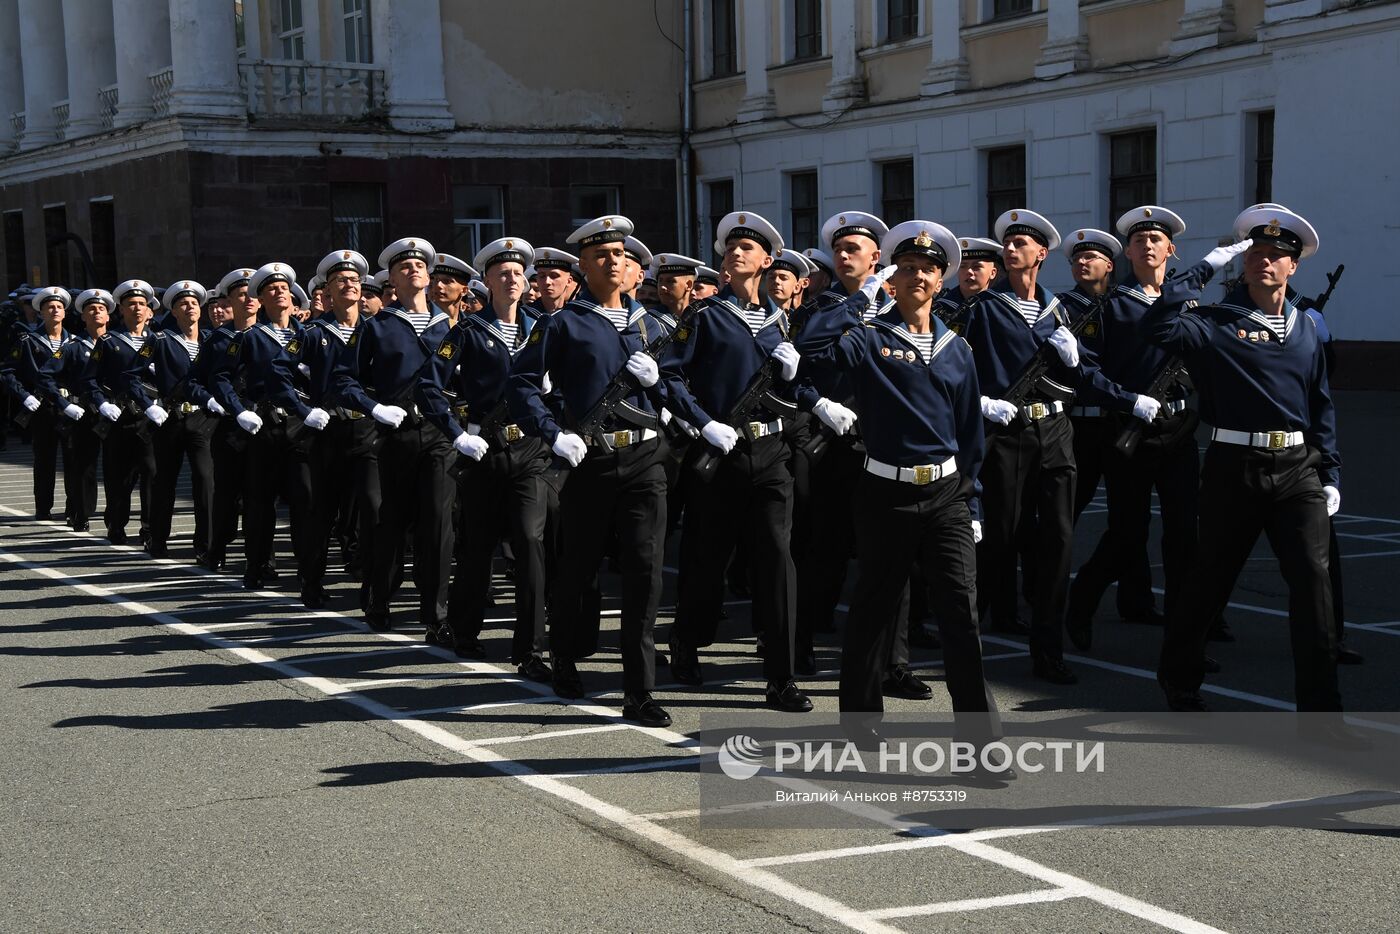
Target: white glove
(74,412)
(1065,345)
(1334,499)
(998,410)
(317,419)
(976,531)
(787,355)
(1146,408)
(109,411)
(643,367)
(157,414)
(664,416)
(570,447)
(834,415)
(720,436)
(249,422)
(872,283)
(473,446)
(390,415)
(687,427)
(31,403)
(213,407)
(1221,255)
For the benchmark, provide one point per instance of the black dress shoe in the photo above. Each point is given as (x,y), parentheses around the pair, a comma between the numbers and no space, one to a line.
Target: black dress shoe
(379,622)
(43,516)
(1081,632)
(1220,632)
(467,647)
(1348,656)
(534,669)
(642,709)
(116,536)
(435,635)
(215,563)
(1183,700)
(80,525)
(685,666)
(1210,666)
(805,664)
(253,582)
(315,598)
(787,698)
(1151,617)
(268,571)
(1054,670)
(157,550)
(902,683)
(567,683)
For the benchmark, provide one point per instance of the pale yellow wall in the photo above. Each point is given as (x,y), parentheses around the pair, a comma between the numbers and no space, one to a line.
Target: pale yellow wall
(799,90)
(1248,15)
(522,64)
(1133,33)
(1004,57)
(717,103)
(898,75)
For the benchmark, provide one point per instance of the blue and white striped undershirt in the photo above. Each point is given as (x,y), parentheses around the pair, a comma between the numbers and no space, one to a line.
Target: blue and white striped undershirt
(755,315)
(1277,323)
(509,330)
(1030,310)
(137,341)
(419,320)
(618,317)
(191,348)
(344,330)
(54,343)
(924,342)
(283,335)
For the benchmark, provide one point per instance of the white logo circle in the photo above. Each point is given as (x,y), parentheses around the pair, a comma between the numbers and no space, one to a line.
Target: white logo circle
(740,757)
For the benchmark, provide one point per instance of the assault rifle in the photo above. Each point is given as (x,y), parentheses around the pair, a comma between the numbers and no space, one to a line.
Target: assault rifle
(1046,356)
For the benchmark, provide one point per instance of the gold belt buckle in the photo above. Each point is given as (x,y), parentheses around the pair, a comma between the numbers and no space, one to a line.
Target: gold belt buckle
(186,408)
(621,439)
(1038,411)
(460,411)
(1277,440)
(755,430)
(923,475)
(513,434)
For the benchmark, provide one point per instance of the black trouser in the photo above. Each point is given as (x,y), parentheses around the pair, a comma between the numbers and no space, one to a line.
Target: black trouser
(416,490)
(229,448)
(183,436)
(1094,457)
(43,428)
(1245,491)
(899,525)
(823,549)
(749,495)
(504,495)
(1174,471)
(1334,574)
(623,490)
(344,479)
(277,465)
(81,450)
(1028,465)
(128,459)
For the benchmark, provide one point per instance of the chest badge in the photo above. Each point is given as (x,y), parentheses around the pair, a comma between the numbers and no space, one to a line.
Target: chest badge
(884,351)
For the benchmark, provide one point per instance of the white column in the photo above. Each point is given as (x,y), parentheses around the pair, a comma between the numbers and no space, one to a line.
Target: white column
(1276,11)
(141,36)
(45,73)
(1066,47)
(11,72)
(1204,23)
(847,85)
(91,62)
(311,28)
(408,39)
(204,59)
(252,29)
(756,29)
(947,68)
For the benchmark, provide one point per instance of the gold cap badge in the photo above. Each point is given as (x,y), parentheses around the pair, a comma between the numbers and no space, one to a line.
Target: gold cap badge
(1146,212)
(607,223)
(923,239)
(743,219)
(1272,230)
(1014,215)
(1081,235)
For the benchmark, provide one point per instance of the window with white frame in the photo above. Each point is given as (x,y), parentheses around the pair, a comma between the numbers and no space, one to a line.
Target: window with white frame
(899,20)
(290,30)
(357,216)
(805,30)
(478,217)
(722,33)
(355,18)
(589,201)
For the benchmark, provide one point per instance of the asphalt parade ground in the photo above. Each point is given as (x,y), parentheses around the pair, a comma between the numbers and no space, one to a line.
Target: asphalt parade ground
(183,755)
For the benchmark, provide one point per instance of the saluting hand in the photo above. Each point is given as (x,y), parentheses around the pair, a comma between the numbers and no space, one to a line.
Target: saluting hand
(1221,255)
(872,283)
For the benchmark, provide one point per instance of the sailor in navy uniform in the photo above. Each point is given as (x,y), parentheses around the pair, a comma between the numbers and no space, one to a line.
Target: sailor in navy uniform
(35,363)
(178,408)
(555,278)
(822,273)
(1125,361)
(475,297)
(705,371)
(707,283)
(128,457)
(638,259)
(675,281)
(371,295)
(916,499)
(380,378)
(83,447)
(980,267)
(241,381)
(1029,461)
(786,279)
(1273,464)
(449,283)
(617,481)
(501,491)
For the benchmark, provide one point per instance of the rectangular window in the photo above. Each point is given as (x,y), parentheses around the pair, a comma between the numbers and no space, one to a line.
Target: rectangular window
(291,31)
(59,271)
(719,201)
(357,217)
(240,29)
(803,202)
(478,217)
(897,191)
(1263,156)
(16,265)
(724,58)
(589,201)
(1002,9)
(1006,182)
(1132,173)
(102,218)
(901,20)
(356,18)
(806,29)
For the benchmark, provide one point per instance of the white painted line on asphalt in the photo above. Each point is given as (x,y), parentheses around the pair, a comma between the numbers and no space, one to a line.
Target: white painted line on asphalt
(353,656)
(1371,554)
(235,605)
(627,768)
(899,846)
(553,734)
(369,683)
(298,637)
(1039,896)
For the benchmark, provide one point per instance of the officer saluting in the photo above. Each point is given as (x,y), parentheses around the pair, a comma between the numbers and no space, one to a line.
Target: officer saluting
(1272,465)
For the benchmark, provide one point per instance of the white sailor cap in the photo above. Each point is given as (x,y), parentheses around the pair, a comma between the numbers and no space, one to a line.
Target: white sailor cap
(317,281)
(820,259)
(794,262)
(177,290)
(272,272)
(637,251)
(504,250)
(341,260)
(979,248)
(1150,217)
(852,222)
(1278,227)
(235,279)
(746,225)
(377,282)
(408,248)
(136,287)
(674,264)
(1098,241)
(51,293)
(1035,226)
(299,297)
(479,288)
(610,228)
(707,274)
(547,257)
(97,295)
(922,238)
